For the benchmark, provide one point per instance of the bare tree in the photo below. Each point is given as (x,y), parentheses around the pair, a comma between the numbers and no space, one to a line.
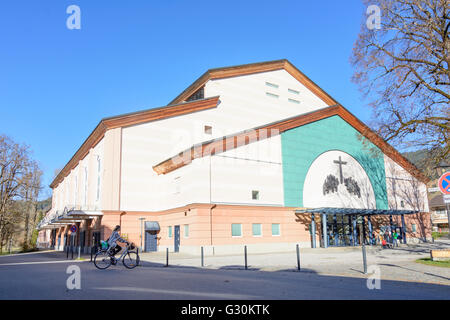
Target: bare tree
(19,189)
(403,69)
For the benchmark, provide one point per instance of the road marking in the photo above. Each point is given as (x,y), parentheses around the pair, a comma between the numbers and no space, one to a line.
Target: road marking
(39,262)
(22,254)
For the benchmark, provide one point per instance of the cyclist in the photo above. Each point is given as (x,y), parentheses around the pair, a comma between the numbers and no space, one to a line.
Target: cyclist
(112,242)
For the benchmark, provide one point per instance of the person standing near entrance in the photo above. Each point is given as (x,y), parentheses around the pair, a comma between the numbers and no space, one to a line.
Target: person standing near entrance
(394,238)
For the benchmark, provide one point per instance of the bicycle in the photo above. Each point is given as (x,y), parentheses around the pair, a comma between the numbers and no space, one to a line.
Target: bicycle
(104,257)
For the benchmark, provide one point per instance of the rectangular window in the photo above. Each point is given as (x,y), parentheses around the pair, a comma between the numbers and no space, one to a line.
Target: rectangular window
(257,230)
(208,130)
(169,231)
(275,229)
(294,101)
(236,230)
(186,230)
(255,195)
(414,228)
(273,85)
(99,165)
(272,95)
(293,91)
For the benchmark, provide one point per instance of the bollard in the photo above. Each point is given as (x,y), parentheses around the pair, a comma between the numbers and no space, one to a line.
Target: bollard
(202,257)
(167,257)
(67,250)
(71,250)
(79,252)
(298,257)
(245,255)
(92,251)
(364,258)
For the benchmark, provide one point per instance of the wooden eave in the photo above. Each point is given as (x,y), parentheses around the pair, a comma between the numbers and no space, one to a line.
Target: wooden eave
(129,120)
(253,68)
(245,137)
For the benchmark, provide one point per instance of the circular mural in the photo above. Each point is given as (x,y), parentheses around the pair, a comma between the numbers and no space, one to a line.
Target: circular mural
(335,179)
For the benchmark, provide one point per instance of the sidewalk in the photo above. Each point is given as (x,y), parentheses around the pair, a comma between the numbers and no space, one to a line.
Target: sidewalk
(394,264)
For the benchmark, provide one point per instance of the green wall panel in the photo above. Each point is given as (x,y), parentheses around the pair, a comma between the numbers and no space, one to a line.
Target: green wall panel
(302,145)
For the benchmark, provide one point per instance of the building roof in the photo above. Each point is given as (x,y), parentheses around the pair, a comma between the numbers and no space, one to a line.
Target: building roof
(246,69)
(436,201)
(266,131)
(129,119)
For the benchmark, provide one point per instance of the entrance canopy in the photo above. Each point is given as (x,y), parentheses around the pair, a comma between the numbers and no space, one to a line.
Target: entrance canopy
(67,217)
(354,211)
(152,226)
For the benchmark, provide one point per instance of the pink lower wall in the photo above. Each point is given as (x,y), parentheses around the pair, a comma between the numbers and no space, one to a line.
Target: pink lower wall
(210,225)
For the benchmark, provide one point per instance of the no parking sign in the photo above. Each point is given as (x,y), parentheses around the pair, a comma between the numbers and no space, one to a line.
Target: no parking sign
(444,186)
(73,228)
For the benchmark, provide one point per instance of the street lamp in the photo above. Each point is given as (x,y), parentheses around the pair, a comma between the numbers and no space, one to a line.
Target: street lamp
(142,222)
(441,168)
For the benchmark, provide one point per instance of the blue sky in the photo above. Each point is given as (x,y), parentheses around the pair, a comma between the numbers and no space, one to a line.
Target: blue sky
(56,84)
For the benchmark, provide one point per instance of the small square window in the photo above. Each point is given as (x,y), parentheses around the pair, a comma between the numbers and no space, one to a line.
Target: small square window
(402,204)
(272,95)
(256,229)
(293,91)
(414,228)
(186,230)
(273,85)
(275,229)
(236,230)
(169,231)
(293,101)
(255,195)
(208,130)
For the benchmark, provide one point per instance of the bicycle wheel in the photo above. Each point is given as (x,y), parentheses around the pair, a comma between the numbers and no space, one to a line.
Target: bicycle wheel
(102,260)
(131,259)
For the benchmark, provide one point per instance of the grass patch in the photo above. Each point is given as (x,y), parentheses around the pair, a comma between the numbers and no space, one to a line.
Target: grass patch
(437,235)
(428,261)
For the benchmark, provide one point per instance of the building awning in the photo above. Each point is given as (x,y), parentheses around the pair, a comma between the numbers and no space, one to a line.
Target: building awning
(354,211)
(151,226)
(84,214)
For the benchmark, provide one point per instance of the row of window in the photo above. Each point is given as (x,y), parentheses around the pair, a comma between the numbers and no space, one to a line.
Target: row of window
(273,95)
(236,229)
(185,229)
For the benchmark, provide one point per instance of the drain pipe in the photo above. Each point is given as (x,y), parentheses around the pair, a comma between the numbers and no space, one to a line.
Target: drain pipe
(120,219)
(210,223)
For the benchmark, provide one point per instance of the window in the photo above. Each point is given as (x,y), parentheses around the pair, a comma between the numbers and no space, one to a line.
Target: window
(276,229)
(273,85)
(255,195)
(98,177)
(186,230)
(294,101)
(414,228)
(236,230)
(199,94)
(208,130)
(85,185)
(75,194)
(272,95)
(169,231)
(293,91)
(402,204)
(256,230)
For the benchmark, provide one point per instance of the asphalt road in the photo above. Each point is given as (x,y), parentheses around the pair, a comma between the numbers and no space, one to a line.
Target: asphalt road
(43,276)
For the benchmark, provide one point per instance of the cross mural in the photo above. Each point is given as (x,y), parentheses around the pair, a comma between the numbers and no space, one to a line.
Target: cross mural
(340,163)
